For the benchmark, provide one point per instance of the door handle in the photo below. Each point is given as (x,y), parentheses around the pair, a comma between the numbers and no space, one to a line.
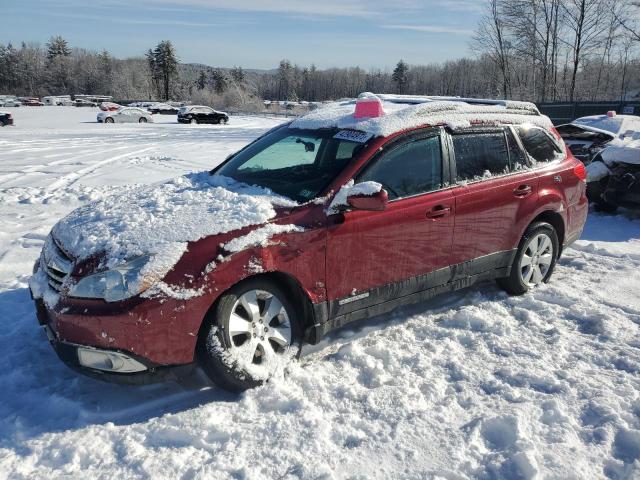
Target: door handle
(439,211)
(523,191)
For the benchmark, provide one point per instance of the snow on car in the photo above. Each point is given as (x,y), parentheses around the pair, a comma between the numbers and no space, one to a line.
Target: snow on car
(472,384)
(587,136)
(610,147)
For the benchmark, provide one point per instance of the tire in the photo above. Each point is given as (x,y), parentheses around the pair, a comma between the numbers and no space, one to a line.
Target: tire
(538,250)
(108,120)
(232,348)
(222,121)
(193,121)
(1,124)
(142,120)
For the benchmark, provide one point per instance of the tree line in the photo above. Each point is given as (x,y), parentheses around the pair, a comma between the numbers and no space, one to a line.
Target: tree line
(540,50)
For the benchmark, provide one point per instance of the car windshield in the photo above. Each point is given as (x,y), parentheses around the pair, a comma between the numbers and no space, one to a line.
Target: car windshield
(610,124)
(298,164)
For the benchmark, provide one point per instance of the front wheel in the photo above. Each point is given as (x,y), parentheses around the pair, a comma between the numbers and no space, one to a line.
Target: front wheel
(193,121)
(108,120)
(534,261)
(250,335)
(222,121)
(142,120)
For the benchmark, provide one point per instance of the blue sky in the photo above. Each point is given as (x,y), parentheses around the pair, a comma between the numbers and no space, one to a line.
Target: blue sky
(255,33)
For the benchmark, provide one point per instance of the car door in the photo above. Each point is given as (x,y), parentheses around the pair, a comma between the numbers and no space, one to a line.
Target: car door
(495,194)
(207,115)
(124,115)
(376,256)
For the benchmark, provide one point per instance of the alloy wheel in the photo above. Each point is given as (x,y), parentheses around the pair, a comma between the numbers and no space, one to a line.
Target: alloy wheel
(259,328)
(536,260)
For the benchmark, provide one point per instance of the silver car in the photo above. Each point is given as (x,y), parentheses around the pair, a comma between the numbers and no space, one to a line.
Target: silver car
(125,115)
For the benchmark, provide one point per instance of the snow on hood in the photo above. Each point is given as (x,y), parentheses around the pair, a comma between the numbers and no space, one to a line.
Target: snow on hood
(622,151)
(160,220)
(400,117)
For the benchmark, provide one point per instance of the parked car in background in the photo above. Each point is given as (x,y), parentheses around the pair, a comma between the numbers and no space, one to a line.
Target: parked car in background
(125,115)
(340,215)
(109,106)
(5,119)
(10,102)
(163,109)
(609,145)
(201,114)
(80,102)
(32,102)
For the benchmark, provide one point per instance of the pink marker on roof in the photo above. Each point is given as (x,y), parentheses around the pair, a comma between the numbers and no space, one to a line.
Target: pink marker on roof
(368,105)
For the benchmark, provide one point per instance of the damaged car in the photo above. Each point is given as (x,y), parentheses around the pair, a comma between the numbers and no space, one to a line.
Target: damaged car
(608,146)
(340,215)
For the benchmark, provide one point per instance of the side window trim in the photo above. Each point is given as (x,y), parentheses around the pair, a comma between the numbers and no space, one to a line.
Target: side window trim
(431,132)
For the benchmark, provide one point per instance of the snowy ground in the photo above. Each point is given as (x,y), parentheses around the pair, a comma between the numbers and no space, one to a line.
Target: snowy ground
(471,385)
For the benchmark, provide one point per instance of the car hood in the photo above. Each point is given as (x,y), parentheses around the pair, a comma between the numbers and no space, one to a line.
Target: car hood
(567,128)
(161,220)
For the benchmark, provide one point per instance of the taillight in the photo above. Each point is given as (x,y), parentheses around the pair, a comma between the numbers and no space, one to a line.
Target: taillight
(580,171)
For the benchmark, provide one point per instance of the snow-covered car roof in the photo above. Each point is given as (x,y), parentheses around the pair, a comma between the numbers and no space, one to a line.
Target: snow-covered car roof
(405,112)
(615,124)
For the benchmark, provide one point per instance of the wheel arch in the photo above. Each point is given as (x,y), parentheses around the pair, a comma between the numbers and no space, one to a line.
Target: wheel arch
(556,221)
(285,281)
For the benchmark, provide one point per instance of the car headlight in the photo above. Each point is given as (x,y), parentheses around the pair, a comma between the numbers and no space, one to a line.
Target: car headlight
(113,285)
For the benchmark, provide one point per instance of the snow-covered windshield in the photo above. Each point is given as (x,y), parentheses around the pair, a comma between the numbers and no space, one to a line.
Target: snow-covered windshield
(610,124)
(298,164)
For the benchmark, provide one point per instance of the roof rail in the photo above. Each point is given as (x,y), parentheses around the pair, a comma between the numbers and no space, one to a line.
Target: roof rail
(417,99)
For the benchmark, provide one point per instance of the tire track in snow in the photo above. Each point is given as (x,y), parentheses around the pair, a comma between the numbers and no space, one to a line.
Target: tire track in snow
(71,178)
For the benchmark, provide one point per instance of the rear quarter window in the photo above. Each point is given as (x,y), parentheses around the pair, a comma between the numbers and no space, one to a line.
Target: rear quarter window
(480,155)
(539,144)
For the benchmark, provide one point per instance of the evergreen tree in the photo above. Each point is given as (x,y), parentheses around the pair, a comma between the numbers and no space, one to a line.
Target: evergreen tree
(201,83)
(400,76)
(163,65)
(238,75)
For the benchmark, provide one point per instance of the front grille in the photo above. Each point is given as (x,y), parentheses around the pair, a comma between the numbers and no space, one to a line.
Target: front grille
(57,265)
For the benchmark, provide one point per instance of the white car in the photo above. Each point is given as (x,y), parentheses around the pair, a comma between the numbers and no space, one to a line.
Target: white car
(10,102)
(125,115)
(588,136)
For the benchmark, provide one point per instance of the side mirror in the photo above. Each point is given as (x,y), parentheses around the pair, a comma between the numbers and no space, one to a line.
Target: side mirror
(375,203)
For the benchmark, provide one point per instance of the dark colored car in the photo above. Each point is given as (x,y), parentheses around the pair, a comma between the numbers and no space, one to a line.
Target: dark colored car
(201,114)
(335,217)
(163,109)
(5,119)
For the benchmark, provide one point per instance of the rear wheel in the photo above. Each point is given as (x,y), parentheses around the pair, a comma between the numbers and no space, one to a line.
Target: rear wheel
(142,120)
(534,261)
(108,120)
(250,335)
(1,124)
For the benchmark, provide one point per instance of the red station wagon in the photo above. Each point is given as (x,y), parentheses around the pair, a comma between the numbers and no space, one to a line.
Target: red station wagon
(343,214)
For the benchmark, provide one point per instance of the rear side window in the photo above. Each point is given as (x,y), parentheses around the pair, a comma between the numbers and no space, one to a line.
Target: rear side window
(480,155)
(539,144)
(408,169)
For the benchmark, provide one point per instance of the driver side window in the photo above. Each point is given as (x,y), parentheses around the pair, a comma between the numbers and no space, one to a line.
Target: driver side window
(408,169)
